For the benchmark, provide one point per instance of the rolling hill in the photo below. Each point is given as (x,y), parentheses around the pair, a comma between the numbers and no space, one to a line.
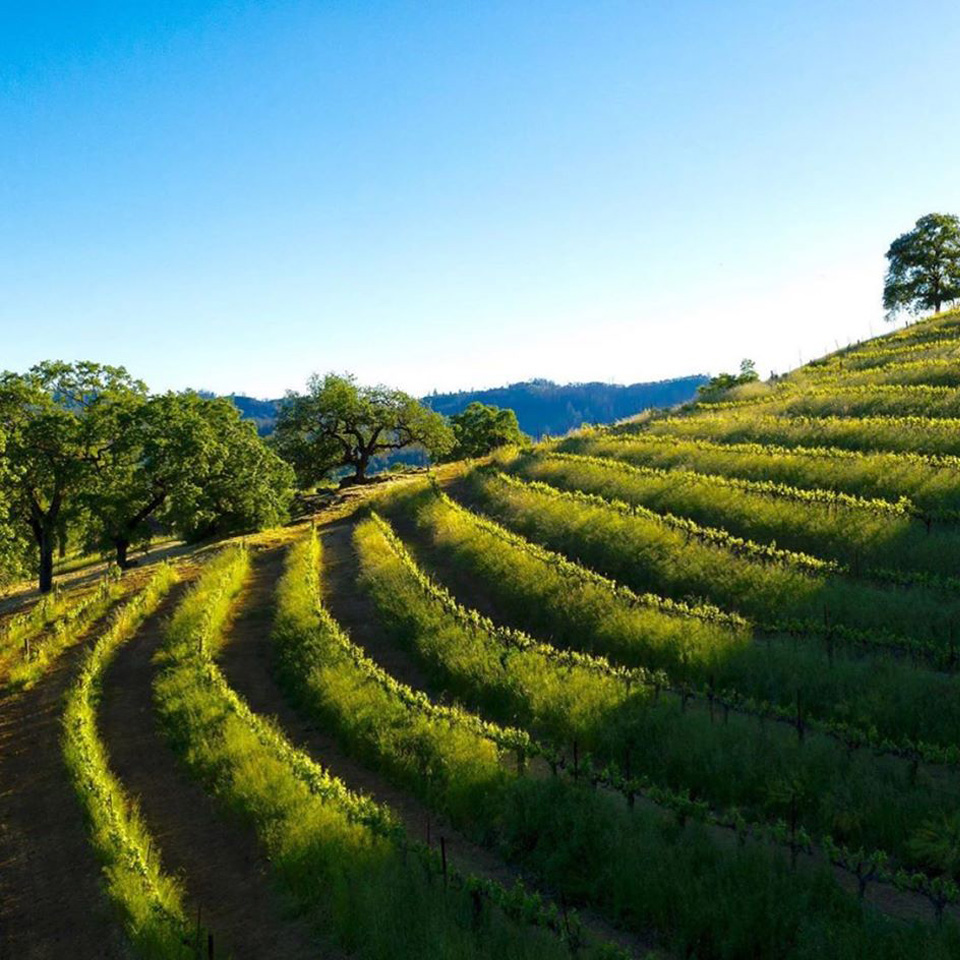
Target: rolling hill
(682,686)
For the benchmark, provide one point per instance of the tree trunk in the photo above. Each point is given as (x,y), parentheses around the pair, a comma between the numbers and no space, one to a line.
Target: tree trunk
(362,464)
(46,545)
(122,547)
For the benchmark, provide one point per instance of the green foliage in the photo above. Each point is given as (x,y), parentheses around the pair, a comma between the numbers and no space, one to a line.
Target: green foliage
(859,400)
(857,532)
(862,702)
(338,423)
(567,833)
(674,556)
(89,451)
(568,698)
(906,434)
(239,483)
(191,462)
(58,419)
(717,386)
(31,642)
(931,483)
(148,900)
(923,266)
(480,429)
(342,858)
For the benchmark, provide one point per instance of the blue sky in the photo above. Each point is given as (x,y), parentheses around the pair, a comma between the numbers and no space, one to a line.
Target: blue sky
(461,194)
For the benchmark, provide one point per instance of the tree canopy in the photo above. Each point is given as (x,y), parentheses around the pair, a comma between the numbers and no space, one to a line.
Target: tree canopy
(85,445)
(923,271)
(193,464)
(481,428)
(59,420)
(338,423)
(718,385)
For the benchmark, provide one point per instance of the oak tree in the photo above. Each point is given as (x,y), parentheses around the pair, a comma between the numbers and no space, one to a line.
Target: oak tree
(60,420)
(923,270)
(481,428)
(338,423)
(189,463)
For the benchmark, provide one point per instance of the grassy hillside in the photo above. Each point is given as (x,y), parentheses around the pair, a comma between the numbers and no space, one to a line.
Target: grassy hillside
(688,686)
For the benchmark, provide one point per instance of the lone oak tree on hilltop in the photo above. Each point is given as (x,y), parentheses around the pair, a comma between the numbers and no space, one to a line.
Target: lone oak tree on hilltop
(924,266)
(338,423)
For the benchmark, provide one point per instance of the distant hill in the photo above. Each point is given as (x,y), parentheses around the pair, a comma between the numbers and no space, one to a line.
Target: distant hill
(542,407)
(262,412)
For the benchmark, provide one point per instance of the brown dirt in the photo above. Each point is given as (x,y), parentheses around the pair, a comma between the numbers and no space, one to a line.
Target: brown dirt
(51,902)
(354,611)
(221,866)
(246,660)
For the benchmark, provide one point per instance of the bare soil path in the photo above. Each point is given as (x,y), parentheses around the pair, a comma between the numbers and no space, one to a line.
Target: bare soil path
(51,901)
(356,613)
(246,661)
(219,861)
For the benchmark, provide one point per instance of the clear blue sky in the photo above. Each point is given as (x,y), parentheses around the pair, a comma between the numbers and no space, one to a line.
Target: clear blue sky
(457,194)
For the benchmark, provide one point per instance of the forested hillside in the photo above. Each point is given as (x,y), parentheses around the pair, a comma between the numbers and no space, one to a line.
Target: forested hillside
(546,408)
(542,407)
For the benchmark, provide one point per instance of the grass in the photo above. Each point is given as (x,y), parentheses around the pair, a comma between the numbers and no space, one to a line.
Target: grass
(336,854)
(858,798)
(855,532)
(678,558)
(148,901)
(702,898)
(547,595)
(930,483)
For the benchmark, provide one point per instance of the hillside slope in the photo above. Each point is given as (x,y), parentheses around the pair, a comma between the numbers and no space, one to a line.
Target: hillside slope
(684,687)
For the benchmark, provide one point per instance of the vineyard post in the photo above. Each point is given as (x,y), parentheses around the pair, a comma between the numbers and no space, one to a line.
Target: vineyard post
(196,946)
(210,954)
(576,761)
(443,857)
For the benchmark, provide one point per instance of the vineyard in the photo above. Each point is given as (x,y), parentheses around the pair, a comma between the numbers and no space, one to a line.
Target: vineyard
(683,687)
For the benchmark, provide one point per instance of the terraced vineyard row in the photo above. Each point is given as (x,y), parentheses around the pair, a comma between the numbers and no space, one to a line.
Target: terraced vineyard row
(655,690)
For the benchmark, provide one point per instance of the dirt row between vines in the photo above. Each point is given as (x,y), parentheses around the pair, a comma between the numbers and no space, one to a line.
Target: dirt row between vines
(247,663)
(51,902)
(217,858)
